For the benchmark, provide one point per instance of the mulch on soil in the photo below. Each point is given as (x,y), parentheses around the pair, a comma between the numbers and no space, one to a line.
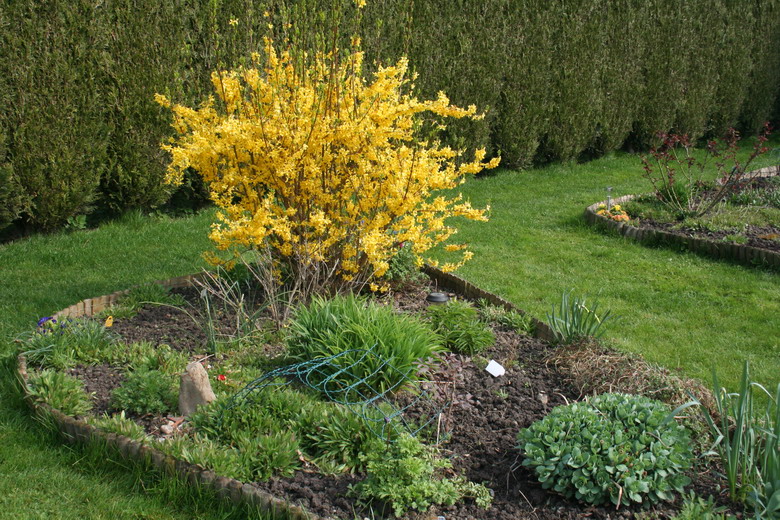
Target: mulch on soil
(480,425)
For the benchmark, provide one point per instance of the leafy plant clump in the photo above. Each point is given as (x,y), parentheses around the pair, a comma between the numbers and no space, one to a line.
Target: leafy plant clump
(60,391)
(575,321)
(121,425)
(408,475)
(66,342)
(347,326)
(510,319)
(403,266)
(302,427)
(458,323)
(147,391)
(616,448)
(696,508)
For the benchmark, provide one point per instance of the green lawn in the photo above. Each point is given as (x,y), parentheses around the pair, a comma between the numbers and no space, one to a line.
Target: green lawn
(677,309)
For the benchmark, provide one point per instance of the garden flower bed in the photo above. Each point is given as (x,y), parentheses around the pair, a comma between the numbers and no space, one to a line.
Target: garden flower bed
(477,430)
(746,230)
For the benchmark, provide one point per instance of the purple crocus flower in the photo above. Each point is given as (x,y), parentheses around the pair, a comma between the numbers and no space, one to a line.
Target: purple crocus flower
(46,319)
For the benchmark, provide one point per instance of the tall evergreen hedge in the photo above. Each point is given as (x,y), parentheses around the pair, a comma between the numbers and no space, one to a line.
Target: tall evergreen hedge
(80,133)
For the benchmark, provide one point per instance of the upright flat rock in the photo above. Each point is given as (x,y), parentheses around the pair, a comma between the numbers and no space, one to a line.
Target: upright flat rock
(195,389)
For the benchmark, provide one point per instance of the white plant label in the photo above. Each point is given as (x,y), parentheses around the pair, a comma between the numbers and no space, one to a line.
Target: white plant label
(495,369)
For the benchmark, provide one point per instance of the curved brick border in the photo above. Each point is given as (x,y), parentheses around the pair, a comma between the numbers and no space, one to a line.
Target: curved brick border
(743,254)
(78,431)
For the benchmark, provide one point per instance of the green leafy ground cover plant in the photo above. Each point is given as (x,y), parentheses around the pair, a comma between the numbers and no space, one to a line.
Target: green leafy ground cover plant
(458,323)
(409,476)
(60,391)
(505,318)
(697,508)
(616,448)
(147,391)
(302,426)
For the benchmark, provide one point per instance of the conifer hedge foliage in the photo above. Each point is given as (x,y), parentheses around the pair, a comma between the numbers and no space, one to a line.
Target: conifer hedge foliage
(80,131)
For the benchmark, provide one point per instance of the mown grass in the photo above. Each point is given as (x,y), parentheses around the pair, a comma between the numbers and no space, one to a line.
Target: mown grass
(674,308)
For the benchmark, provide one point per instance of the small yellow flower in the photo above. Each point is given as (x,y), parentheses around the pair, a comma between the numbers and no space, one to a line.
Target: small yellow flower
(233,22)
(109,322)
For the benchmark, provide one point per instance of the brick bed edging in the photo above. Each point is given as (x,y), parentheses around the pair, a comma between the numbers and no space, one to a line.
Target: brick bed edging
(741,253)
(75,430)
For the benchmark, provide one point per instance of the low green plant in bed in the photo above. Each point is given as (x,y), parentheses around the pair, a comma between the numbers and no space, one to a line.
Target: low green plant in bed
(60,391)
(348,326)
(410,476)
(129,304)
(315,431)
(65,342)
(616,448)
(147,392)
(458,323)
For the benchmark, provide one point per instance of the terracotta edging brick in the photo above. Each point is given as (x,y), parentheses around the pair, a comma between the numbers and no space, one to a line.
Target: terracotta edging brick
(741,253)
(75,430)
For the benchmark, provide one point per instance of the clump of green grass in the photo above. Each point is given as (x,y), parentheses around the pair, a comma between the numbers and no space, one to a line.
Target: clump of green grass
(144,294)
(347,327)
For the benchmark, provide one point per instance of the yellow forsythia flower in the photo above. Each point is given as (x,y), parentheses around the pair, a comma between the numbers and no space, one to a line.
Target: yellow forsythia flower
(308,156)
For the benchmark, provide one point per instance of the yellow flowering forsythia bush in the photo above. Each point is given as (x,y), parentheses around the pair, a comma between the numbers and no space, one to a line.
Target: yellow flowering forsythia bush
(306,157)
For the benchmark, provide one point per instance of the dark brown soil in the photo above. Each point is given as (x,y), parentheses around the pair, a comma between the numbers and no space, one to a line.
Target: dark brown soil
(480,426)
(162,324)
(100,381)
